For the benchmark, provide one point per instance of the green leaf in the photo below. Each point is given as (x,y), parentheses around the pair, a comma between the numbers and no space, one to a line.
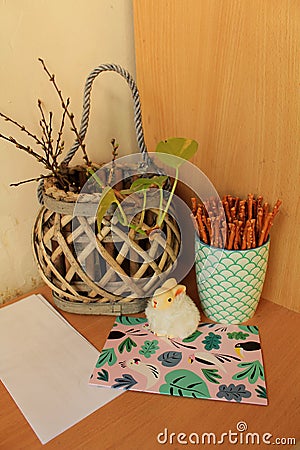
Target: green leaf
(249,328)
(170,358)
(261,391)
(103,375)
(144,183)
(149,348)
(252,370)
(212,341)
(180,147)
(126,320)
(107,356)
(211,375)
(107,199)
(126,382)
(238,335)
(137,229)
(193,336)
(127,344)
(184,383)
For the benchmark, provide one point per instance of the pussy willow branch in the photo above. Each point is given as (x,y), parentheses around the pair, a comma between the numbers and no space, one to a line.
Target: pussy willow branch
(60,144)
(41,177)
(115,147)
(22,128)
(47,131)
(65,107)
(27,149)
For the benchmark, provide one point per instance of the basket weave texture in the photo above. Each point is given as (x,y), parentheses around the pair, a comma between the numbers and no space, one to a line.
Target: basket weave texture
(106,271)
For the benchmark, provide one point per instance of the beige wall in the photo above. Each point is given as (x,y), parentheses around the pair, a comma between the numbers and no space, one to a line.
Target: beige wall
(73,37)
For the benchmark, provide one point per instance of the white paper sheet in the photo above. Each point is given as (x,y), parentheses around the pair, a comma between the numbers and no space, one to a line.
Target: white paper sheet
(45,364)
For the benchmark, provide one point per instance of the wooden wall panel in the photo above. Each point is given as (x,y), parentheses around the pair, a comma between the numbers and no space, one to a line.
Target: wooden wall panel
(227,73)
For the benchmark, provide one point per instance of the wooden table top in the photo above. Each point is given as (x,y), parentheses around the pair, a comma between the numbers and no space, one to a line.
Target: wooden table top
(134,420)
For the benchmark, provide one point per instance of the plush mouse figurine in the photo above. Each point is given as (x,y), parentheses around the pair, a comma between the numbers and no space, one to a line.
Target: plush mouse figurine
(171,312)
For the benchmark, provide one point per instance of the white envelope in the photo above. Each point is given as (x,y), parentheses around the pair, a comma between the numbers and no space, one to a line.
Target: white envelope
(45,364)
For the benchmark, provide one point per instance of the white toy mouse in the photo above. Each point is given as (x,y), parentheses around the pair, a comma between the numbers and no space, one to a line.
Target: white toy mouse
(171,312)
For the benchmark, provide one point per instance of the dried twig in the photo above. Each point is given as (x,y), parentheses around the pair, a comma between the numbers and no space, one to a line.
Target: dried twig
(65,106)
(41,177)
(27,149)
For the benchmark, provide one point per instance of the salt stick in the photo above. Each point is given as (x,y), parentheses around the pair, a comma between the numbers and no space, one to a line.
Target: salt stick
(249,236)
(265,211)
(203,234)
(259,201)
(233,213)
(264,230)
(250,204)
(194,205)
(253,222)
(236,242)
(231,236)
(208,221)
(244,239)
(259,221)
(242,214)
(276,208)
(227,211)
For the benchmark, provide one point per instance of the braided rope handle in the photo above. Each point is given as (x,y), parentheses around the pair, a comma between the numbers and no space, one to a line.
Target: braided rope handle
(86,113)
(86,107)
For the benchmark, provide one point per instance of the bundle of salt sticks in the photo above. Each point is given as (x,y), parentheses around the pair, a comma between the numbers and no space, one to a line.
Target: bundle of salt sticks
(243,224)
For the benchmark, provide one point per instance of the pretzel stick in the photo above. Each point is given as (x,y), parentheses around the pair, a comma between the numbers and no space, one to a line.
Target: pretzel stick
(253,222)
(250,204)
(203,234)
(213,235)
(242,214)
(204,220)
(244,239)
(265,211)
(223,233)
(208,221)
(249,235)
(227,211)
(237,237)
(276,208)
(233,213)
(218,232)
(270,224)
(194,205)
(259,201)
(254,208)
(231,236)
(259,221)
(264,230)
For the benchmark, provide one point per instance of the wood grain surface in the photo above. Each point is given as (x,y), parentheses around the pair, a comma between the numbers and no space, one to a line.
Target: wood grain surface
(133,420)
(227,73)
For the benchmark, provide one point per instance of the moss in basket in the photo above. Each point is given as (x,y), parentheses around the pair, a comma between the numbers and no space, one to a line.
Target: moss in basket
(173,152)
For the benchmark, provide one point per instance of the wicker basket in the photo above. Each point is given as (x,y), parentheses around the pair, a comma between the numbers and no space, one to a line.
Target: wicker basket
(113,271)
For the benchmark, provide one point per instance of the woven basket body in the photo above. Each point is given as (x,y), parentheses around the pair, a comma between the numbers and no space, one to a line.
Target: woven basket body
(109,274)
(106,271)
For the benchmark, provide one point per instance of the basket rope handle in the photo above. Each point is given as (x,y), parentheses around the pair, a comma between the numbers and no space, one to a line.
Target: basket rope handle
(87,104)
(86,113)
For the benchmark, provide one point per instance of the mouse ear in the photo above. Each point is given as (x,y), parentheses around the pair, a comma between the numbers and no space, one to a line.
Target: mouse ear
(180,288)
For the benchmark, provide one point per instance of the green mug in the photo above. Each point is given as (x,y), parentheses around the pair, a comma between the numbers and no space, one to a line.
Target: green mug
(230,282)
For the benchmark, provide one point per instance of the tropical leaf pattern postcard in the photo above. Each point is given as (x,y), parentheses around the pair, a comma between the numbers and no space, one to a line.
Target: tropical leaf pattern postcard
(220,362)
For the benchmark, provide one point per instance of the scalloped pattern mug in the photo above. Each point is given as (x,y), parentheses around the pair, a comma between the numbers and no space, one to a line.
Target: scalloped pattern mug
(230,282)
